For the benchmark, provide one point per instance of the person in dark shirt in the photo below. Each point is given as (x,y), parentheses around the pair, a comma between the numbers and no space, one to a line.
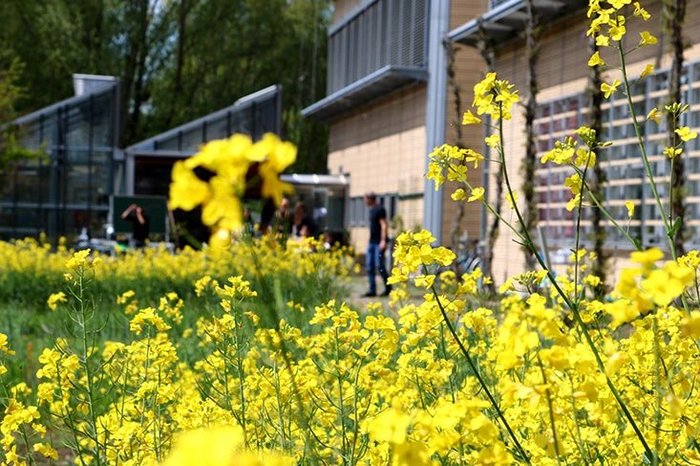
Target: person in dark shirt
(303,225)
(378,239)
(140,227)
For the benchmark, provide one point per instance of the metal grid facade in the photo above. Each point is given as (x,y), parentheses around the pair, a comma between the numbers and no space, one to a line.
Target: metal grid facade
(149,162)
(386,32)
(69,188)
(622,162)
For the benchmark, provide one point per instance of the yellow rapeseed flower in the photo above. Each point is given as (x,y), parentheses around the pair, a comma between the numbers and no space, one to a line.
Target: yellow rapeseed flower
(595,60)
(654,115)
(78,260)
(477,194)
(55,299)
(686,134)
(609,89)
(470,119)
(646,38)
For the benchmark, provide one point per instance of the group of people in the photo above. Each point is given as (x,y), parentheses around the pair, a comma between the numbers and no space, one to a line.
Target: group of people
(298,223)
(284,221)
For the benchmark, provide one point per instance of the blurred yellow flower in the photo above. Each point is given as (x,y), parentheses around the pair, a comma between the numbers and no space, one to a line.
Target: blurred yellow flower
(55,299)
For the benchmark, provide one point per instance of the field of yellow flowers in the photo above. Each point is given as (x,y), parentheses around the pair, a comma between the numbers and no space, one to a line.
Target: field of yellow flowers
(246,354)
(254,381)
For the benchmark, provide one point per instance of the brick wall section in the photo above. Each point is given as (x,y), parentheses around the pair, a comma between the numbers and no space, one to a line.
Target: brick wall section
(562,70)
(463,11)
(382,147)
(342,8)
(469,68)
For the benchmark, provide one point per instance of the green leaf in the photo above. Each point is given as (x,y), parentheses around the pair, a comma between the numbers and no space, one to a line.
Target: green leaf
(677,223)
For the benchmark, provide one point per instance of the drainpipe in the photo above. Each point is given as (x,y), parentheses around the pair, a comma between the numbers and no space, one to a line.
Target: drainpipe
(438,28)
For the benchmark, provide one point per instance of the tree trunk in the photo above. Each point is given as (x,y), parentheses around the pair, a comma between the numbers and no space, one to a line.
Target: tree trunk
(674,15)
(528,168)
(493,229)
(597,183)
(183,12)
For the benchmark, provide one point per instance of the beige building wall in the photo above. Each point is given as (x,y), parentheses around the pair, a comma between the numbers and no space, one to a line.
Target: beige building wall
(382,147)
(469,68)
(562,71)
(342,7)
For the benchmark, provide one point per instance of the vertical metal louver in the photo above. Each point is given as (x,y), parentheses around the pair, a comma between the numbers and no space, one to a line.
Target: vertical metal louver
(386,32)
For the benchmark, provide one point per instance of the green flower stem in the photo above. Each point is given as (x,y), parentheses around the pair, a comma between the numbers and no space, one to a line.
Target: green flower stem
(579,213)
(69,419)
(657,389)
(493,211)
(643,150)
(642,147)
(570,304)
(284,350)
(341,405)
(82,322)
(241,372)
(612,220)
(28,445)
(551,410)
(476,372)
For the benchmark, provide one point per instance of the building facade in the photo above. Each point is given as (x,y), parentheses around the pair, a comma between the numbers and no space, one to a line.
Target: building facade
(563,105)
(72,187)
(69,188)
(387,106)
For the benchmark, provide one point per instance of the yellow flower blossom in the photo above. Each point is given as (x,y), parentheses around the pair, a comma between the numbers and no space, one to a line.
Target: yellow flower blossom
(672,152)
(654,115)
(46,450)
(477,194)
(647,39)
(595,60)
(686,134)
(470,119)
(493,141)
(458,195)
(641,12)
(391,426)
(648,70)
(55,299)
(691,325)
(78,260)
(4,347)
(609,89)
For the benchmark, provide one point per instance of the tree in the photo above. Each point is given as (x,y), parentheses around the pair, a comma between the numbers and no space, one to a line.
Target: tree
(226,49)
(673,17)
(10,92)
(486,49)
(531,50)
(176,59)
(597,183)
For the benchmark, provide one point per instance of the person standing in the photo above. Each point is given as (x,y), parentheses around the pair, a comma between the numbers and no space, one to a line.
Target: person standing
(140,227)
(303,226)
(378,241)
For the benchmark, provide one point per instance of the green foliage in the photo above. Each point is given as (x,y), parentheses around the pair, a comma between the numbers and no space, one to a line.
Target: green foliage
(177,60)
(10,93)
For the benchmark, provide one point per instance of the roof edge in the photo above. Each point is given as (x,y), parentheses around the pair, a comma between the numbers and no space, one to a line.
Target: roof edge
(244,101)
(350,93)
